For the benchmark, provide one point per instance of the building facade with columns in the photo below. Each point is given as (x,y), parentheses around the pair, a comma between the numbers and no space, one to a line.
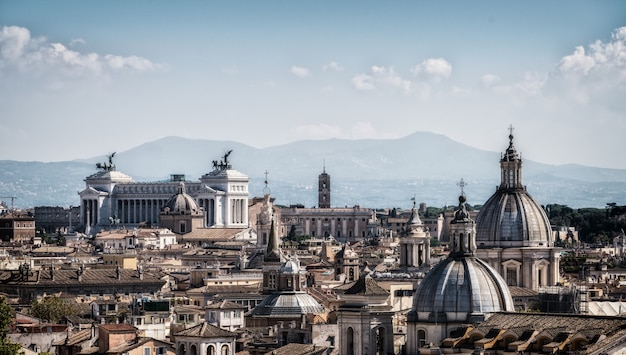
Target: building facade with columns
(112,198)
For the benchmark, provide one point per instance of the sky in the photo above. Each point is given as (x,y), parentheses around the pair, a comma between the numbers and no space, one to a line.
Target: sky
(82,79)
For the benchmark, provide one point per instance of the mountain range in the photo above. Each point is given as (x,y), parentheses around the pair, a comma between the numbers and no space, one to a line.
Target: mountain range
(367,172)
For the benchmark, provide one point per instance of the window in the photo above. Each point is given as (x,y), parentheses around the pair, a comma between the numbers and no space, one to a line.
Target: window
(421,338)
(146,351)
(226,314)
(237,314)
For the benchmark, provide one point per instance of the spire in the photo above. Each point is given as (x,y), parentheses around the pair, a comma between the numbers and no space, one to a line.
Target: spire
(463,230)
(266,189)
(511,152)
(273,251)
(414,219)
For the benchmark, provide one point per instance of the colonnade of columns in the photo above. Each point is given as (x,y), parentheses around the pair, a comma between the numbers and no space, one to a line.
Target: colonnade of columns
(139,210)
(239,210)
(415,253)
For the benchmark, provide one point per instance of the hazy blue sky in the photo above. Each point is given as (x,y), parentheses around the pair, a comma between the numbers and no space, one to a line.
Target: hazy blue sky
(80,79)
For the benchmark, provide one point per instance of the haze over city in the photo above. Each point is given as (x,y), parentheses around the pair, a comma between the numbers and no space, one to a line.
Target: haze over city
(83,79)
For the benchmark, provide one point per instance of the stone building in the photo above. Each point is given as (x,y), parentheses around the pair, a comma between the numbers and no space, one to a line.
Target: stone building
(28,284)
(17,227)
(57,219)
(112,198)
(513,231)
(343,223)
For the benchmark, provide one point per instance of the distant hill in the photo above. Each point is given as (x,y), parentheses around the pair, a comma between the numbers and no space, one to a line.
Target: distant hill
(371,173)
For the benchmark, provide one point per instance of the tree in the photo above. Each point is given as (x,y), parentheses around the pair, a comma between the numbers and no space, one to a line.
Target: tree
(6,319)
(53,309)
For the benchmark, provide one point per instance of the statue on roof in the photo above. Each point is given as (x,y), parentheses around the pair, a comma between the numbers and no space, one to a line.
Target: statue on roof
(107,166)
(222,164)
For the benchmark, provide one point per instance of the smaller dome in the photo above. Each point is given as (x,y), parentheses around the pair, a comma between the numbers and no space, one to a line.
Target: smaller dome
(459,289)
(290,266)
(286,304)
(181,203)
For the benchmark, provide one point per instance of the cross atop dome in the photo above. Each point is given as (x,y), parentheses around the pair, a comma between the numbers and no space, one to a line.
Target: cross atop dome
(462,184)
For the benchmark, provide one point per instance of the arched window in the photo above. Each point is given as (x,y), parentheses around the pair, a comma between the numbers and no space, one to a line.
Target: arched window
(193,350)
(225,350)
(182,350)
(350,341)
(210,350)
(421,338)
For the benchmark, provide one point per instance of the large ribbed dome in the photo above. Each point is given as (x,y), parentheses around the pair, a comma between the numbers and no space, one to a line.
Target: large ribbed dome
(511,217)
(181,203)
(459,288)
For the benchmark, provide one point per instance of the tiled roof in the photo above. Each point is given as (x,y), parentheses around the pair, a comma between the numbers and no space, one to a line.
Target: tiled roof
(542,321)
(212,234)
(89,276)
(205,330)
(299,349)
(366,286)
(517,291)
(75,337)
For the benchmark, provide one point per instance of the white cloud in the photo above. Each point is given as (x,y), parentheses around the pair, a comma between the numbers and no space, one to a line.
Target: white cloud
(363,82)
(381,76)
(38,55)
(333,66)
(300,72)
(596,74)
(130,63)
(435,69)
(77,41)
(13,42)
(601,59)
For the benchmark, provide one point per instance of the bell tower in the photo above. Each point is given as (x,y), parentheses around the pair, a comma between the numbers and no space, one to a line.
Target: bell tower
(323,190)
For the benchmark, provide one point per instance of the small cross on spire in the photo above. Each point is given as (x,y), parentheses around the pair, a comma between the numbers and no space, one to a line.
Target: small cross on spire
(462,184)
(266,189)
(511,133)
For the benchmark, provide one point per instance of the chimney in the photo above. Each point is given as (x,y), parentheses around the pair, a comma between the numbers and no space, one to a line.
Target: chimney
(118,272)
